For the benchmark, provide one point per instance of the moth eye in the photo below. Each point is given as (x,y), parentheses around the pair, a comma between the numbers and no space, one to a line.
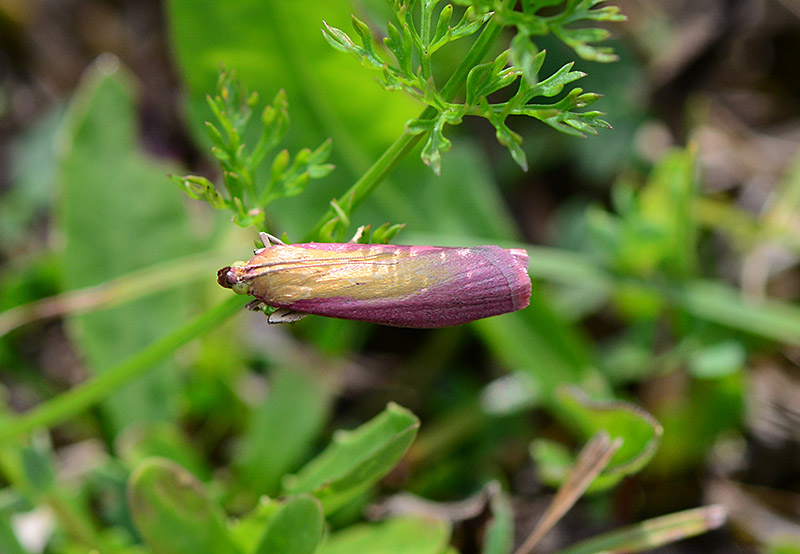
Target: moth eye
(240,287)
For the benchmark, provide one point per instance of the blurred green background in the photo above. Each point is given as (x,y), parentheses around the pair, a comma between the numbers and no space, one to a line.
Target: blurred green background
(664,254)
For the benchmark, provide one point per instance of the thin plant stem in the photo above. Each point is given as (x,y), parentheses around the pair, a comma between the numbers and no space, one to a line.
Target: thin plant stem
(74,401)
(652,533)
(425,40)
(125,288)
(593,459)
(74,521)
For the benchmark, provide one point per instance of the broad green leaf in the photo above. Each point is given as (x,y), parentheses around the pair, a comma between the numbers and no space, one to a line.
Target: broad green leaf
(401,535)
(356,459)
(119,213)
(639,431)
(173,512)
(295,529)
(274,45)
(281,430)
(33,168)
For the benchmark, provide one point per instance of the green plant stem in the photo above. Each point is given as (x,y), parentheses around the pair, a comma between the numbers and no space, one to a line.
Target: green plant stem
(384,165)
(75,522)
(592,460)
(113,292)
(726,306)
(74,401)
(655,532)
(426,39)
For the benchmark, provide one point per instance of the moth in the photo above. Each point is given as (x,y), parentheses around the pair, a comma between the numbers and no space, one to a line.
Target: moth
(399,286)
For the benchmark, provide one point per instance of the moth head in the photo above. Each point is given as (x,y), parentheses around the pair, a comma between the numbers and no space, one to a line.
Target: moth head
(232,277)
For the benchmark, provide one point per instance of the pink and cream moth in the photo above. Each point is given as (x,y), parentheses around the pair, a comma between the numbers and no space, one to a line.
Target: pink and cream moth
(401,286)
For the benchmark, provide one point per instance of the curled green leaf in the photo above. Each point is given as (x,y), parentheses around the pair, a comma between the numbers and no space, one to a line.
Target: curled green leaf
(640,432)
(356,459)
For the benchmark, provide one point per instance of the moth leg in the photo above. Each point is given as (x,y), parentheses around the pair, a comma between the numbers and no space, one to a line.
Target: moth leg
(285,315)
(255,305)
(359,234)
(269,240)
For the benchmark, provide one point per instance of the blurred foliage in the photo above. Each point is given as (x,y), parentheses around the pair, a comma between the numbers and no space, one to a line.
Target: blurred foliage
(116,217)
(232,108)
(663,321)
